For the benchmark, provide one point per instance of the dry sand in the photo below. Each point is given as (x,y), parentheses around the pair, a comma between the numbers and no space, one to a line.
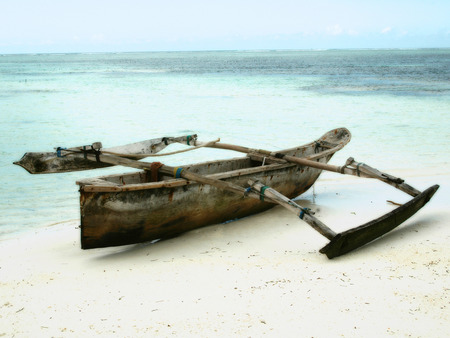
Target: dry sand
(259,276)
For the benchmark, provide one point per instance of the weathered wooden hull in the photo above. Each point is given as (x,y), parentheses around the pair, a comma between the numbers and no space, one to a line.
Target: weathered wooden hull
(126,209)
(110,218)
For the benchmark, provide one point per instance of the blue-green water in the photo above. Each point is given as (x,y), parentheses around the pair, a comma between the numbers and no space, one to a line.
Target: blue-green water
(396,103)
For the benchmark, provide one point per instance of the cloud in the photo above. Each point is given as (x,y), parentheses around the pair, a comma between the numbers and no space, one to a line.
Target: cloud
(386,30)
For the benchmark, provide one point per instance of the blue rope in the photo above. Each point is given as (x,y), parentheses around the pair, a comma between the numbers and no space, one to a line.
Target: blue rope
(303,212)
(178,172)
(58,151)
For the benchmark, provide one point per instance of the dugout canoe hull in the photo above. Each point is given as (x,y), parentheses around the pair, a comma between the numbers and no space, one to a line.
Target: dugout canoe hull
(127,209)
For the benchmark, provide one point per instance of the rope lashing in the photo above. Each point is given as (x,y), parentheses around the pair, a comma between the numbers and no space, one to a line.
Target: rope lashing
(247,191)
(263,189)
(190,138)
(358,172)
(85,150)
(316,147)
(97,153)
(177,172)
(303,212)
(58,151)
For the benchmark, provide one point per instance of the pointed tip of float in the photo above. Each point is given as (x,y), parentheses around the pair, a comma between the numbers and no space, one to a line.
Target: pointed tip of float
(26,163)
(19,164)
(355,238)
(22,163)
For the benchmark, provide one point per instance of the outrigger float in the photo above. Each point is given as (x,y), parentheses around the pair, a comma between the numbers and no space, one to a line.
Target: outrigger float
(161,202)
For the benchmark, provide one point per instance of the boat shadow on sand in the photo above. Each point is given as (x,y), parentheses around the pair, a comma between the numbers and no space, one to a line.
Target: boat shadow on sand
(270,225)
(259,229)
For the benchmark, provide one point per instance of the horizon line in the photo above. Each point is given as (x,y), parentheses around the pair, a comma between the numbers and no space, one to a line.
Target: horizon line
(230,50)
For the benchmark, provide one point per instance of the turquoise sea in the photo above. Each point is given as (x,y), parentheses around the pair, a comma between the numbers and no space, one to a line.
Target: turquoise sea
(396,103)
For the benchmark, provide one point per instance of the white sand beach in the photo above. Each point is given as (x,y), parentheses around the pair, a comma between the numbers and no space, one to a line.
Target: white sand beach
(259,276)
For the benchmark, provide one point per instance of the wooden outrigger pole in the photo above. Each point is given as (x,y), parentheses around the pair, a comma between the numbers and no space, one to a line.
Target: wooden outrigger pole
(354,238)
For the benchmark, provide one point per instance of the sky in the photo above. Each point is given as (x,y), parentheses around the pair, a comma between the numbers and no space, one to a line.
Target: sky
(52,26)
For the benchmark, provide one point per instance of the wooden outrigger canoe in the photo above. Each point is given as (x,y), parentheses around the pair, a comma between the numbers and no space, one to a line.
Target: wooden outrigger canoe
(162,202)
(125,209)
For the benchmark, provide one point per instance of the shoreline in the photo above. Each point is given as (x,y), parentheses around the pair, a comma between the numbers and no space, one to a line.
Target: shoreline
(258,275)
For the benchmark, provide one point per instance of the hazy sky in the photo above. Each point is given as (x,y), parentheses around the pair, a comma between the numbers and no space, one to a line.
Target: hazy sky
(149,25)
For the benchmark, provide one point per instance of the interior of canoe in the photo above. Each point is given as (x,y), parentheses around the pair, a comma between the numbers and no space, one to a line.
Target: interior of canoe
(215,168)
(219,169)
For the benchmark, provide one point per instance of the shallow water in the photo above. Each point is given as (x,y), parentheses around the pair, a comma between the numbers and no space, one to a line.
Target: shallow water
(396,103)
